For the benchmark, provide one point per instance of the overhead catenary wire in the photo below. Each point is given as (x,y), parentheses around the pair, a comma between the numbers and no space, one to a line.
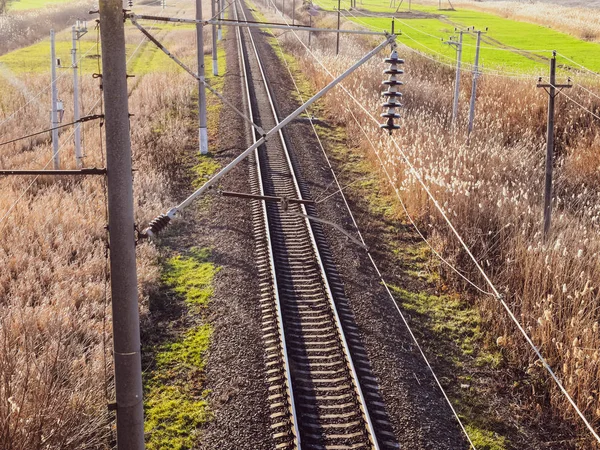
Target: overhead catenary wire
(493,288)
(82,120)
(193,74)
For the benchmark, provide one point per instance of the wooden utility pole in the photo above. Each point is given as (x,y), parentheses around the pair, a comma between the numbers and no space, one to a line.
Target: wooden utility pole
(125,313)
(202,129)
(337,42)
(458,46)
(551,89)
(474,85)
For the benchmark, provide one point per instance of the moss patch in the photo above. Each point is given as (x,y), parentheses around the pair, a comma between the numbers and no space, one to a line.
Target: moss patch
(191,276)
(486,440)
(176,404)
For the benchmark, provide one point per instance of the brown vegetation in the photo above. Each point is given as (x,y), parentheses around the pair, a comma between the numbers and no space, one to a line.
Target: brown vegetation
(491,187)
(55,347)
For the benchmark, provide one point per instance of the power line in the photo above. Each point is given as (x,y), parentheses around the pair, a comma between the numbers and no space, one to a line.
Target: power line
(580,105)
(471,256)
(580,65)
(13,206)
(82,120)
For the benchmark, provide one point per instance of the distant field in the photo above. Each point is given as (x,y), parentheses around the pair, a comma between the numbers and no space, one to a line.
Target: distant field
(36,58)
(424,27)
(21,5)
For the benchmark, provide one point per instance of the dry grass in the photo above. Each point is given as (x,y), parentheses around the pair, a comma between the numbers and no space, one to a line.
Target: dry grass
(21,28)
(491,187)
(54,316)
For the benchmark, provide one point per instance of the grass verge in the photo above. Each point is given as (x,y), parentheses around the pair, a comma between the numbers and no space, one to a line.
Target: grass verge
(176,405)
(176,402)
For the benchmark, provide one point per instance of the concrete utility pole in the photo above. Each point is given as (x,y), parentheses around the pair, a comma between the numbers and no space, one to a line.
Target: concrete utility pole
(458,46)
(337,42)
(221,17)
(77,32)
(474,86)
(54,114)
(202,130)
(215,64)
(552,93)
(126,326)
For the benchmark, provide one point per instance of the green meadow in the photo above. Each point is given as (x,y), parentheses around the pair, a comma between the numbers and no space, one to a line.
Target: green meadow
(508,45)
(36,58)
(22,5)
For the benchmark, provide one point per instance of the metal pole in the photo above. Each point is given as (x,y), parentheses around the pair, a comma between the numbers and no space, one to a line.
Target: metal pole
(220,32)
(76,112)
(202,129)
(337,42)
(215,64)
(54,114)
(474,86)
(293,12)
(126,327)
(457,82)
(550,148)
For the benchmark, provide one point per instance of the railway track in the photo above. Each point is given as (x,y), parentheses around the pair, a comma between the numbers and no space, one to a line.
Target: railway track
(321,390)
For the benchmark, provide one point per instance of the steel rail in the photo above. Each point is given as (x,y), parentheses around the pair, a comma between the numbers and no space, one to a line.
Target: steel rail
(340,330)
(263,206)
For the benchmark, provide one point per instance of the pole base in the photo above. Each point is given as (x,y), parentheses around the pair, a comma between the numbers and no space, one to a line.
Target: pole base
(215,67)
(203,140)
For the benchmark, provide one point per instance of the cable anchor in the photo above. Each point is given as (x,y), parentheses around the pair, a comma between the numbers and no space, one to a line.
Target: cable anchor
(392,95)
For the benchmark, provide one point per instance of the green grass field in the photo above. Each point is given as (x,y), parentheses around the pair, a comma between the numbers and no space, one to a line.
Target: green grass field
(36,58)
(500,46)
(22,5)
